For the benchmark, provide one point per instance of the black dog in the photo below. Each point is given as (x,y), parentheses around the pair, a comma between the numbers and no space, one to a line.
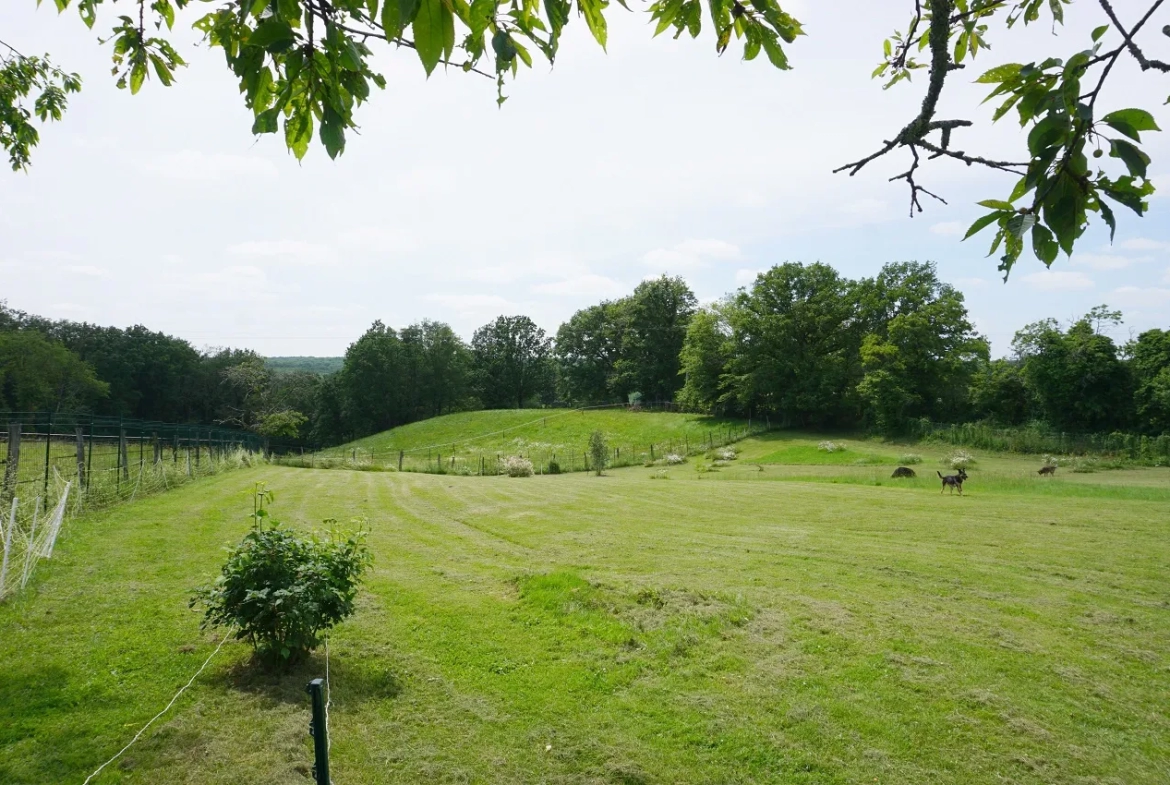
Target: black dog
(953,481)
(1050,470)
(903,471)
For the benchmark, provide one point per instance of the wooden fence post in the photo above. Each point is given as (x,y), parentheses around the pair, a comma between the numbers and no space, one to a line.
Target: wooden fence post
(80,433)
(400,460)
(157,448)
(12,468)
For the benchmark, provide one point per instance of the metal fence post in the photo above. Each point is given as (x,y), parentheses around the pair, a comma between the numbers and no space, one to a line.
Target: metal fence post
(12,468)
(48,454)
(80,456)
(123,457)
(319,730)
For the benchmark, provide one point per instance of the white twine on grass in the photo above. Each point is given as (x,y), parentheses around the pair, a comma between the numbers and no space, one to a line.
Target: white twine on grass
(183,689)
(328,699)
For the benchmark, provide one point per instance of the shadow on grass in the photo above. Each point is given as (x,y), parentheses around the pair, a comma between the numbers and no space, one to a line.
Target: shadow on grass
(352,681)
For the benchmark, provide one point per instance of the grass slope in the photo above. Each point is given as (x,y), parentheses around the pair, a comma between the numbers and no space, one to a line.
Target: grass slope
(545,431)
(577,629)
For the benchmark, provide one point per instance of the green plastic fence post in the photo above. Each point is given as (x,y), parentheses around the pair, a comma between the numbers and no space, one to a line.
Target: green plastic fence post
(319,730)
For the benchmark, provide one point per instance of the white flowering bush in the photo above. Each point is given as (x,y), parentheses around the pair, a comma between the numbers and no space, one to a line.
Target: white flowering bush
(909,459)
(960,459)
(674,459)
(515,466)
(726,454)
(831,447)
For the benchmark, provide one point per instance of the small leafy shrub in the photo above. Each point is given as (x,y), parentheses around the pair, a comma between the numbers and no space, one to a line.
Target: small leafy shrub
(960,459)
(554,467)
(659,475)
(828,446)
(909,459)
(598,451)
(649,464)
(515,466)
(703,468)
(720,464)
(281,589)
(674,459)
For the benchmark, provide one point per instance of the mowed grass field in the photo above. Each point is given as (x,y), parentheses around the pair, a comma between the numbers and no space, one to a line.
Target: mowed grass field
(765,622)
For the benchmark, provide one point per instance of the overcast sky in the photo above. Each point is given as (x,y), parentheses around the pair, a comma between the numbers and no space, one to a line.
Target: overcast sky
(658,157)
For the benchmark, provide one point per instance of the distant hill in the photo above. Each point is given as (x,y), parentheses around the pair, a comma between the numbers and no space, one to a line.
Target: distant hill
(546,430)
(321,365)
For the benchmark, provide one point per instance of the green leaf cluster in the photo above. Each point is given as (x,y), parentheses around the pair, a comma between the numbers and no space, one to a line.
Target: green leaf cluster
(282,590)
(1051,203)
(22,78)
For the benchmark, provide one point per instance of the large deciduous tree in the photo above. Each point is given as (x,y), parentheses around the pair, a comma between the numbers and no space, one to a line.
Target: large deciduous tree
(794,344)
(304,67)
(1149,362)
(438,368)
(705,354)
(37,375)
(588,347)
(655,325)
(1079,380)
(920,349)
(513,363)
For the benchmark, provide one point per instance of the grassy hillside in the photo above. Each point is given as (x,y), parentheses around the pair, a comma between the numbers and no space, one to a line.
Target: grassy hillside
(620,629)
(542,433)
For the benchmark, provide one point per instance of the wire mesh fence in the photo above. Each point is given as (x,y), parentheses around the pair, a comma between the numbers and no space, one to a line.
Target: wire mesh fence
(75,463)
(1036,440)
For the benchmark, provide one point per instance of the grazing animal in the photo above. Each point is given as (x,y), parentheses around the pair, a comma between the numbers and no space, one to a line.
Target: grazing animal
(1049,470)
(952,481)
(903,471)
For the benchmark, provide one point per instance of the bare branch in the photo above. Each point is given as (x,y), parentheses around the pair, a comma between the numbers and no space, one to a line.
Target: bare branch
(915,188)
(1145,63)
(940,65)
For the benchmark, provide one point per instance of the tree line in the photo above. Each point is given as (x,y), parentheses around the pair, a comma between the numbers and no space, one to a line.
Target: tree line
(801,346)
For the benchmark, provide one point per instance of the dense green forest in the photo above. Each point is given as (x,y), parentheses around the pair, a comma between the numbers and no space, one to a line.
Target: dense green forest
(802,346)
(321,365)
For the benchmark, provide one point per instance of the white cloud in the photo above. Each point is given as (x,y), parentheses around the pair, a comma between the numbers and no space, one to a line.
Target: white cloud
(971,283)
(1101,261)
(87,269)
(949,229)
(1059,281)
(72,309)
(535,267)
(242,283)
(691,254)
(195,165)
(1144,244)
(473,305)
(377,238)
(746,277)
(1166,277)
(864,211)
(302,252)
(583,286)
(1142,297)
